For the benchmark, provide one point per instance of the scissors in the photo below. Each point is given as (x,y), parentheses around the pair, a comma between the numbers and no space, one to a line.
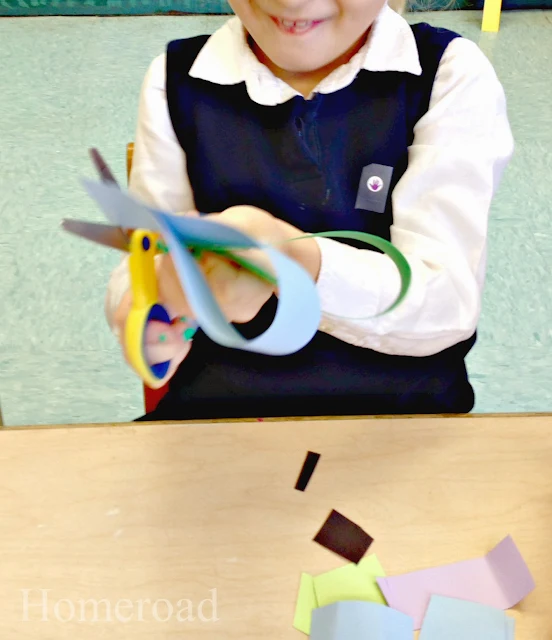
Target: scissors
(143,245)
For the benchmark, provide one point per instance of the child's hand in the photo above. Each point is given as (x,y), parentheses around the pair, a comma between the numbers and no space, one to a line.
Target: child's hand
(168,343)
(162,342)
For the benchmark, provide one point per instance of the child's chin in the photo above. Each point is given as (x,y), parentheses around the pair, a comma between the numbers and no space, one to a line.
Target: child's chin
(305,66)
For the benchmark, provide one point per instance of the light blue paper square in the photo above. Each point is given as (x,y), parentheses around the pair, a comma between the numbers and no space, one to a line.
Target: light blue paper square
(455,619)
(356,620)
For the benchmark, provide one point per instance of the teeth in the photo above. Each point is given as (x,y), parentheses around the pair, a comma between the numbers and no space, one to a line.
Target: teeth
(296,24)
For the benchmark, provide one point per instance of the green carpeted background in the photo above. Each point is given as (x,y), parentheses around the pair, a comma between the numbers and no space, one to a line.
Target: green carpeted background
(151,7)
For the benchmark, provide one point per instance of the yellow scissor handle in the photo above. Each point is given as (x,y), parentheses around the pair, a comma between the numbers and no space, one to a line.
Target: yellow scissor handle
(143,247)
(145,305)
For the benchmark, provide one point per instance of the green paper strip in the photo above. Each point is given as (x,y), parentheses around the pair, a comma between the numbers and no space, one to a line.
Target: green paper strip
(388,249)
(199,248)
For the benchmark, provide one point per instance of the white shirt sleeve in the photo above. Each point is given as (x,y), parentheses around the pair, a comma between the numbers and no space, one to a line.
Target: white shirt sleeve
(159,176)
(440,216)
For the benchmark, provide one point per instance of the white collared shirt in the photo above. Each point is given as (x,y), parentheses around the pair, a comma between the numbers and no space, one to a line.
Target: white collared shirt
(440,205)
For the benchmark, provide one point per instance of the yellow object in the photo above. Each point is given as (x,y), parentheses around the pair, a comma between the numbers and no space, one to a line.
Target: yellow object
(491,16)
(350,582)
(306,603)
(145,306)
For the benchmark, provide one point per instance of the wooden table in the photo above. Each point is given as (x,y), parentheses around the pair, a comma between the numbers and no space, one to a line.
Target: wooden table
(130,520)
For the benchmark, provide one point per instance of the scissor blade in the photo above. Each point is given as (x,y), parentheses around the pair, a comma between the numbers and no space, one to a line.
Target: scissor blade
(106,175)
(104,234)
(102,168)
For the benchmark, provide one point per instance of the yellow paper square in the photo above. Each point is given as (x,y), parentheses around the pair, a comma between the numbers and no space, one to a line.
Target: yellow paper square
(350,582)
(306,603)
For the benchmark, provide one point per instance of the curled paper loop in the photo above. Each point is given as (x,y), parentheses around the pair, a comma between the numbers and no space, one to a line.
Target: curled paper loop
(388,249)
(398,259)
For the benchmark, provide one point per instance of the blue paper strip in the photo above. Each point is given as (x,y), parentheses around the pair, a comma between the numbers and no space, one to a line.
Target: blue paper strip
(355,620)
(455,619)
(120,208)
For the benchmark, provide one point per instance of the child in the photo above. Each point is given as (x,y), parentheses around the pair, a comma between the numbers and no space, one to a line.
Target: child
(310,115)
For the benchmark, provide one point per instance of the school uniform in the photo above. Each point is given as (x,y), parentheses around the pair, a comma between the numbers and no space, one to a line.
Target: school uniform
(408,141)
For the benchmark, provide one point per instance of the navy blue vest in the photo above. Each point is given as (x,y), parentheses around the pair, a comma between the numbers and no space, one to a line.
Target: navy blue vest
(302,161)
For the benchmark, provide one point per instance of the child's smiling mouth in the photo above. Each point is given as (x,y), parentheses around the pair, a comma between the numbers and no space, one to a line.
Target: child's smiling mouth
(296,27)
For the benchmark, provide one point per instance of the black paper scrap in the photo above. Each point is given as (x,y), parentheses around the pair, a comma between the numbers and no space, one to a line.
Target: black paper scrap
(307,470)
(344,537)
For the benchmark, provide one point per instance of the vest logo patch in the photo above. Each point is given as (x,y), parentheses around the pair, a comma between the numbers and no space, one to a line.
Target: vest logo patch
(374,188)
(375,184)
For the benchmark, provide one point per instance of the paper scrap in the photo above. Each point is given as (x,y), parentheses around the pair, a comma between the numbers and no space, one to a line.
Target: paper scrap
(307,470)
(455,619)
(360,621)
(344,537)
(500,579)
(306,603)
(350,582)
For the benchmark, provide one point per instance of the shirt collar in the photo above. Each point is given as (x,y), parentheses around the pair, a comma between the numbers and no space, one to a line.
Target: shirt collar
(227,59)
